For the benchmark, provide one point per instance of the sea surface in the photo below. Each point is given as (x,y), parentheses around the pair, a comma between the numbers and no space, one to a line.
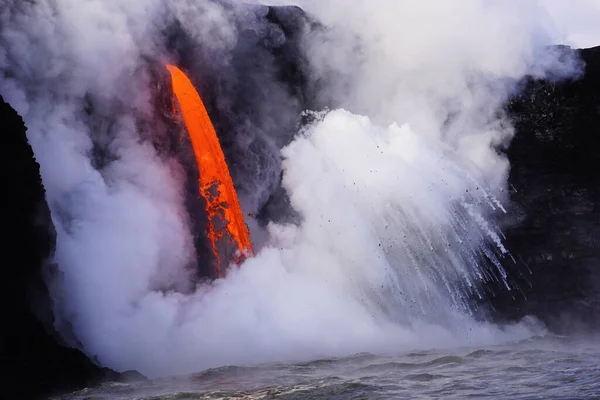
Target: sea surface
(550,367)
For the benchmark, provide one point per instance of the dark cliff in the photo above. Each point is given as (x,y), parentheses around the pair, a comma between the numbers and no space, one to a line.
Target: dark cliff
(35,363)
(554,160)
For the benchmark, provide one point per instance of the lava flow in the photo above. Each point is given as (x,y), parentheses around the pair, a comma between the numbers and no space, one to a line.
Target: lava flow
(225,217)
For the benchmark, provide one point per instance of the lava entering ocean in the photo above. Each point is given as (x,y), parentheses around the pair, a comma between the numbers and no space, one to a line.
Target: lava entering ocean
(225,217)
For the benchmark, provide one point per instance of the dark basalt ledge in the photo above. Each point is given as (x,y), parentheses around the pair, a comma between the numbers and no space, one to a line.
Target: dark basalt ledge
(35,364)
(554,159)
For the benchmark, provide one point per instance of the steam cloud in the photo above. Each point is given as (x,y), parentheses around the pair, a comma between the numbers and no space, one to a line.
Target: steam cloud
(396,188)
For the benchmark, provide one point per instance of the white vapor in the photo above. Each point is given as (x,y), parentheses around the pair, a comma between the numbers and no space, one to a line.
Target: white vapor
(575,26)
(394,188)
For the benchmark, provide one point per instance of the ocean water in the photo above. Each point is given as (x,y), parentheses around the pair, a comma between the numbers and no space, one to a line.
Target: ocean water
(549,367)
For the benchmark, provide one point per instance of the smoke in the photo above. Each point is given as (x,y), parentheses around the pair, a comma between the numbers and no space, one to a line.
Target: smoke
(444,69)
(396,188)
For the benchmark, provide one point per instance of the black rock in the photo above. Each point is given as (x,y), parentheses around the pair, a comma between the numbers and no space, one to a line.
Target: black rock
(554,159)
(35,363)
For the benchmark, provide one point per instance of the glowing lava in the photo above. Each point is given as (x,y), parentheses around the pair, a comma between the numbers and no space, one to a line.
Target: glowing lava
(225,216)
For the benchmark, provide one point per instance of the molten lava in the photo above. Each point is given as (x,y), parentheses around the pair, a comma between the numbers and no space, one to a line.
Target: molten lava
(225,216)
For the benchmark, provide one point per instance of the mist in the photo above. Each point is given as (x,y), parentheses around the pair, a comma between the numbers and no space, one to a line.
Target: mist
(397,180)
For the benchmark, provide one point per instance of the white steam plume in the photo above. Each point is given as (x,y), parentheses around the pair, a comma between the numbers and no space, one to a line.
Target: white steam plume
(575,26)
(393,226)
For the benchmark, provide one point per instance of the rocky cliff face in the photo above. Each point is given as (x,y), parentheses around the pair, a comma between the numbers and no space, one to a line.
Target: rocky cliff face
(35,363)
(556,199)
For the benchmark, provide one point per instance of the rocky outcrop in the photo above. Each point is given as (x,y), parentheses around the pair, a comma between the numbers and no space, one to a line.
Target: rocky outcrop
(554,160)
(35,363)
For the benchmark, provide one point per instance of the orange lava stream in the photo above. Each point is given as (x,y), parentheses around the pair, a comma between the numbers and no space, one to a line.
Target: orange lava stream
(215,184)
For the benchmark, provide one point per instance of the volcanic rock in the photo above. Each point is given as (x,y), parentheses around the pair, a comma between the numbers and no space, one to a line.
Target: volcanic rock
(554,158)
(35,362)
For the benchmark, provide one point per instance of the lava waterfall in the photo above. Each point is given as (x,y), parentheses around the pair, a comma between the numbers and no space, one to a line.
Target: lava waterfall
(222,204)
